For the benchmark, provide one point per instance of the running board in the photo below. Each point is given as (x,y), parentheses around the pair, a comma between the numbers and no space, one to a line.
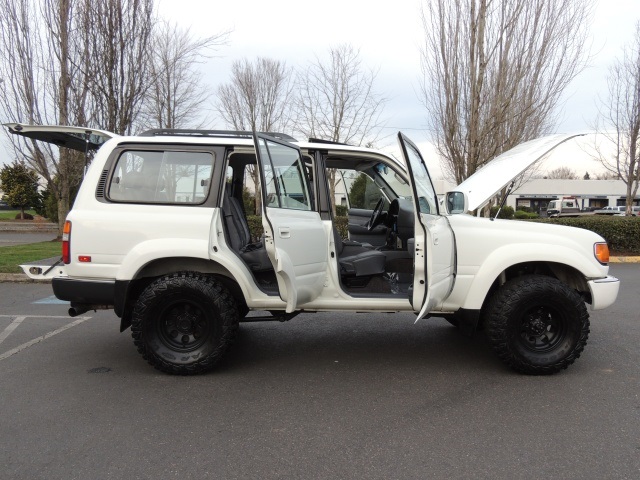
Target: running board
(276,317)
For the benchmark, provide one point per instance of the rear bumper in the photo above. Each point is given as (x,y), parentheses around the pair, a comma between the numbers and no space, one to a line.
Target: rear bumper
(604,292)
(94,292)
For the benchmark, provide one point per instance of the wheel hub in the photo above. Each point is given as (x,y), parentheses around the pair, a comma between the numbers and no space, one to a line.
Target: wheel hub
(185,323)
(541,329)
(184,327)
(537,326)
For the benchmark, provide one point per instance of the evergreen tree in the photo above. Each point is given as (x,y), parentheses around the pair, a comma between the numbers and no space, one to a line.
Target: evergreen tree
(20,185)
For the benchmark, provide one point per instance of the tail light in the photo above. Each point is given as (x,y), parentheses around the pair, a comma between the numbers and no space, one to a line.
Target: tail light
(66,242)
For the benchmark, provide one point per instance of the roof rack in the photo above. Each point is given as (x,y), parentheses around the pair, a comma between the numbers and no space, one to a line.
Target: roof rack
(328,142)
(159,132)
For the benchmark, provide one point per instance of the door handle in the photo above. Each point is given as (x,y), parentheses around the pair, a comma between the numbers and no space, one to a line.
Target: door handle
(284,232)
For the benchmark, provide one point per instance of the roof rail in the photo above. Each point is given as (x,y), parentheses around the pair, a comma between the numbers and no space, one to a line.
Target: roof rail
(159,132)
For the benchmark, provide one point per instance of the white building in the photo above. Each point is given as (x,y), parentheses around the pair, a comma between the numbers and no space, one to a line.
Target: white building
(535,194)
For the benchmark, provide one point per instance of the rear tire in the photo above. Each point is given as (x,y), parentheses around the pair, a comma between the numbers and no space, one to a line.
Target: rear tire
(183,323)
(537,325)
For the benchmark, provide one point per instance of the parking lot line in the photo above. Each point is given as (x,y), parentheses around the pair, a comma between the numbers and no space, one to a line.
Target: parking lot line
(52,300)
(26,345)
(10,328)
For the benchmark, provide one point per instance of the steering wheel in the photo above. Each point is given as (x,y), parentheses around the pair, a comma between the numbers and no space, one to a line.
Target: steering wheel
(376,215)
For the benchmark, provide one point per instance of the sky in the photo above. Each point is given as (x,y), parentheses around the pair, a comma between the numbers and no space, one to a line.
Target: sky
(388,36)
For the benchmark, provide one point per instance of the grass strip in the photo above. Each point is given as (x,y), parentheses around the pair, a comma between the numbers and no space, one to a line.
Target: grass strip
(14,255)
(11,214)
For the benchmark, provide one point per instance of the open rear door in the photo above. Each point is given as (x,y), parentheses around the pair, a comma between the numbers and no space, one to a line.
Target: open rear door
(434,256)
(295,238)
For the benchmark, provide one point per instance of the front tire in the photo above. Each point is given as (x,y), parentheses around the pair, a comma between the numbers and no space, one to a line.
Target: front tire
(537,325)
(183,323)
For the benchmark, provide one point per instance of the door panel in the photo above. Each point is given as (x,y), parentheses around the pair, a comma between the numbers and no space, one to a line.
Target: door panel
(295,238)
(434,273)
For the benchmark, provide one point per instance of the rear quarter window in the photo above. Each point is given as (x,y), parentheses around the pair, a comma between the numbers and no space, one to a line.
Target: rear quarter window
(165,177)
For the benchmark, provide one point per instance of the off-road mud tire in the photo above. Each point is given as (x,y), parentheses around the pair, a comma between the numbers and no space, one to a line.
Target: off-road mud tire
(536,324)
(183,323)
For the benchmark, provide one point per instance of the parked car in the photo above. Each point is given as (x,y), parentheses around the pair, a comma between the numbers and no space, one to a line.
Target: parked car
(619,210)
(159,234)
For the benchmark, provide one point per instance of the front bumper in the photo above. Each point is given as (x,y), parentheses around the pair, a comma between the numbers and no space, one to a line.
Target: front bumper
(603,292)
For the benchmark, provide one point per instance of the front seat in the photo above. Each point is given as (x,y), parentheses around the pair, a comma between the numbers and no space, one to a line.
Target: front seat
(356,260)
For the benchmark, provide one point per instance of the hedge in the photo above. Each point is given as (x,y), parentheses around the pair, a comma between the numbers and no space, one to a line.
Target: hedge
(621,233)
(255,226)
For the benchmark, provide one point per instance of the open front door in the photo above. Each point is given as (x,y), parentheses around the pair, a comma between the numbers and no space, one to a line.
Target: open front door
(434,256)
(294,234)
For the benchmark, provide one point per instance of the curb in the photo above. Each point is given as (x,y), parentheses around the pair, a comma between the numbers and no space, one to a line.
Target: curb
(624,259)
(19,278)
(10,227)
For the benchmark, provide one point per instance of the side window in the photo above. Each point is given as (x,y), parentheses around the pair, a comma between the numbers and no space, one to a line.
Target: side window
(172,177)
(358,187)
(285,181)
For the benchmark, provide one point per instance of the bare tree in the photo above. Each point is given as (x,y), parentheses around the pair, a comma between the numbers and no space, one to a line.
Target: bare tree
(119,43)
(177,95)
(337,102)
(72,62)
(44,84)
(606,175)
(562,173)
(257,98)
(494,71)
(619,120)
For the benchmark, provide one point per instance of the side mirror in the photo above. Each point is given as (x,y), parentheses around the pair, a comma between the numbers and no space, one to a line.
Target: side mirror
(456,202)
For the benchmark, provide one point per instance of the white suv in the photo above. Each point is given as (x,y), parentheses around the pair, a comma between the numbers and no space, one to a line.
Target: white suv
(159,233)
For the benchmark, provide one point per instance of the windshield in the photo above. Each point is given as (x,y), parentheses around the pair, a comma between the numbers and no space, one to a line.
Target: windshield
(390,178)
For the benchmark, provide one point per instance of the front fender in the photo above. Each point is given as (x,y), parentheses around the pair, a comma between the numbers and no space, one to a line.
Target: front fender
(506,256)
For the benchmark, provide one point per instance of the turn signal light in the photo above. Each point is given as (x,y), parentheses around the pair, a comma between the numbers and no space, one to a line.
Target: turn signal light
(601,251)
(66,243)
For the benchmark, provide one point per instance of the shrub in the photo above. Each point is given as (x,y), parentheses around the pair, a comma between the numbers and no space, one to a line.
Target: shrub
(621,233)
(341,211)
(506,212)
(524,215)
(255,226)
(342,224)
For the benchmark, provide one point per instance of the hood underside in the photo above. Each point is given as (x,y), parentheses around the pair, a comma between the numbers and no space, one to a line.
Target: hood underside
(483,185)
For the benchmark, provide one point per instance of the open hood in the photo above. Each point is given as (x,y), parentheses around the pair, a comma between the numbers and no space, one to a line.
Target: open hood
(75,138)
(483,185)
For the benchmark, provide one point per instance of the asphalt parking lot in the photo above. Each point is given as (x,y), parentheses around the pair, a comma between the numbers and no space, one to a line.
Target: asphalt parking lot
(322,396)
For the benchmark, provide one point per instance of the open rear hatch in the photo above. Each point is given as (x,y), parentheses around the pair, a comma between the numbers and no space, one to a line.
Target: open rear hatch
(76,138)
